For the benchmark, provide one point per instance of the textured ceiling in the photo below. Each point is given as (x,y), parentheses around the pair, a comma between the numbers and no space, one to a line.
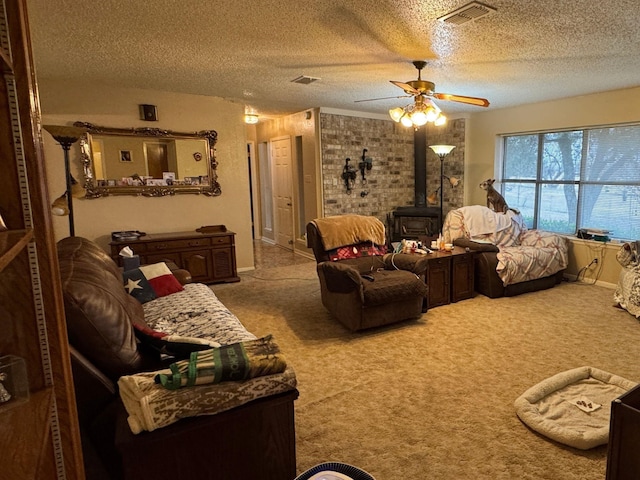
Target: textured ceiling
(250,51)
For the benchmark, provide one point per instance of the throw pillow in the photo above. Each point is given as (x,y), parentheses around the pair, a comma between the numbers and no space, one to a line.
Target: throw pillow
(172,345)
(151,281)
(357,251)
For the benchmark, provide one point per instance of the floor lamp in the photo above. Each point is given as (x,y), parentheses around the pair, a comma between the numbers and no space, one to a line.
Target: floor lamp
(67,136)
(442,151)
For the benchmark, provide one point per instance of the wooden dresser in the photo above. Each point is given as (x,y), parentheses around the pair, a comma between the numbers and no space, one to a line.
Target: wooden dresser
(209,256)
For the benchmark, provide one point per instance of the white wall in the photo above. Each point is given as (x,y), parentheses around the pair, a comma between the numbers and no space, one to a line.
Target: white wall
(65,103)
(615,107)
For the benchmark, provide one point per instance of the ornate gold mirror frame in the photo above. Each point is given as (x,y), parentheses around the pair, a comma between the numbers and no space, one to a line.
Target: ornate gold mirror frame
(138,181)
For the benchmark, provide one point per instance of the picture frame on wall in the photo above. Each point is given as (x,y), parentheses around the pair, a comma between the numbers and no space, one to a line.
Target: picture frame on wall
(125,156)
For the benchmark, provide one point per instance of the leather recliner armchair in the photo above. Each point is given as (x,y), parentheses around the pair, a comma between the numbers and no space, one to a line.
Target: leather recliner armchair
(370,290)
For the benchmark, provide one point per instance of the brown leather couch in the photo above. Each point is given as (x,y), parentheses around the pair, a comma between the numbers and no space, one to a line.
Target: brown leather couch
(488,283)
(369,291)
(255,440)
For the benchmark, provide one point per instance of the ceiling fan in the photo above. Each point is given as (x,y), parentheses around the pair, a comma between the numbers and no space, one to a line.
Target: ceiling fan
(423,109)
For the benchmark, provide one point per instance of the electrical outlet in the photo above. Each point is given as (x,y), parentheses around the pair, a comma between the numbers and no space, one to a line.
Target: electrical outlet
(595,260)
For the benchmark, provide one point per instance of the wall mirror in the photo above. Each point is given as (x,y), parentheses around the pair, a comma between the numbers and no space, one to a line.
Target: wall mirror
(148,161)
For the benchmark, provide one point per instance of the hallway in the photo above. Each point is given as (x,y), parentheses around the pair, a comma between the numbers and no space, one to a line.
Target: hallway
(269,256)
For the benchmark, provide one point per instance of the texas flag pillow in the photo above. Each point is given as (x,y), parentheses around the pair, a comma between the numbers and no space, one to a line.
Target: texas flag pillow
(151,281)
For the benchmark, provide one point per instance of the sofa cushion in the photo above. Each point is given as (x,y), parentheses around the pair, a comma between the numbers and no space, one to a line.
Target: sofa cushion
(390,286)
(149,282)
(99,312)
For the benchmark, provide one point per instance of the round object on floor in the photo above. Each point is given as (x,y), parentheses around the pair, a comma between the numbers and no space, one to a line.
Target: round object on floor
(334,471)
(573,407)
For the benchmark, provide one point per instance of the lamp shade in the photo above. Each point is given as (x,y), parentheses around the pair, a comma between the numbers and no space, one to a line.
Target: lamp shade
(442,150)
(65,134)
(396,113)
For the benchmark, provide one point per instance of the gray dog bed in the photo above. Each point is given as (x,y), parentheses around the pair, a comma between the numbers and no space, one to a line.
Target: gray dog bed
(573,407)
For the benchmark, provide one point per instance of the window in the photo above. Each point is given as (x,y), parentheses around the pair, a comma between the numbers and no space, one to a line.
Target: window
(563,181)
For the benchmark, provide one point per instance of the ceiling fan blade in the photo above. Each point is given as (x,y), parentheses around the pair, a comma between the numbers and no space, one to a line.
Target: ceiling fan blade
(382,98)
(406,87)
(480,102)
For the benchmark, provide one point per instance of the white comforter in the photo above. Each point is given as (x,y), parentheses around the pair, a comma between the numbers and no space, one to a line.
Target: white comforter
(524,254)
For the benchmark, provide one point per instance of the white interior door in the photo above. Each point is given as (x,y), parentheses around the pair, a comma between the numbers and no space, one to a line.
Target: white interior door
(266,193)
(283,190)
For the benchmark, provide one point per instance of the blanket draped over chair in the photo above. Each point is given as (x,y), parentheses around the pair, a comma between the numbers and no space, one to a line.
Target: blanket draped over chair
(523,254)
(341,230)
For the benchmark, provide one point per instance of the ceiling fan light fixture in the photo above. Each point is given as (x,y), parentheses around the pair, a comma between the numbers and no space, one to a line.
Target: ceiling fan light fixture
(419,117)
(406,121)
(441,120)
(396,113)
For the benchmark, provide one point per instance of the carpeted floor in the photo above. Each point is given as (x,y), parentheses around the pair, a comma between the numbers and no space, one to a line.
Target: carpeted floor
(433,398)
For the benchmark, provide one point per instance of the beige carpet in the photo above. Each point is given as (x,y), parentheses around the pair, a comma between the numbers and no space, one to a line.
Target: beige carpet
(433,398)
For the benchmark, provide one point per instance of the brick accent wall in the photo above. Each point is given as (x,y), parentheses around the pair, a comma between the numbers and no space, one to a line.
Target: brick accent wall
(391,181)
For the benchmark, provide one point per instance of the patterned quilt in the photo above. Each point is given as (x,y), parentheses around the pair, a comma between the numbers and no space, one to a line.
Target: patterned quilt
(524,254)
(193,312)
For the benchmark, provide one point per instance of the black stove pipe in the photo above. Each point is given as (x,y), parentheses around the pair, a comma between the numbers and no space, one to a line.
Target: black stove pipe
(420,159)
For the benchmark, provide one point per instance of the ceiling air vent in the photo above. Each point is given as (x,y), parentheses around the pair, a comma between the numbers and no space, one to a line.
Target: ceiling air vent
(305,80)
(471,11)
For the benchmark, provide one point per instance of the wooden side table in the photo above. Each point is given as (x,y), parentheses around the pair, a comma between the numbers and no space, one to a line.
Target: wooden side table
(449,276)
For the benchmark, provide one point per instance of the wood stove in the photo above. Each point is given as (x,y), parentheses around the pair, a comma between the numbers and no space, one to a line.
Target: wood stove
(416,221)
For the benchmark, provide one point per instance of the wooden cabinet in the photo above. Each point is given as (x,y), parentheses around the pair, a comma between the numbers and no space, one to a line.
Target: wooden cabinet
(623,462)
(462,271)
(449,277)
(437,278)
(39,438)
(209,256)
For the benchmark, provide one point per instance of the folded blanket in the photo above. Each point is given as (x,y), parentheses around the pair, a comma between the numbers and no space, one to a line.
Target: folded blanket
(151,406)
(340,230)
(237,361)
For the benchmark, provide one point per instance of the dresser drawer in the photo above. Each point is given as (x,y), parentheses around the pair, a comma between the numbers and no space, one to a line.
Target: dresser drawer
(226,240)
(178,244)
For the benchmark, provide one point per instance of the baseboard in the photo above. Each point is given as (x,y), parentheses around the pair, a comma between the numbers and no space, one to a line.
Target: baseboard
(572,278)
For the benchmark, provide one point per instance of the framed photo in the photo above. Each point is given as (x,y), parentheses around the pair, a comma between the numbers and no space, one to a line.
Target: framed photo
(192,180)
(169,177)
(125,156)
